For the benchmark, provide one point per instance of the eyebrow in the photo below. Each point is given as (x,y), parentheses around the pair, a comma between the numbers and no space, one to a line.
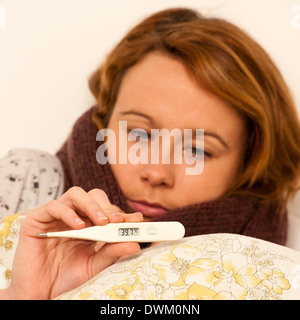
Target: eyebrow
(151,120)
(137,113)
(216,136)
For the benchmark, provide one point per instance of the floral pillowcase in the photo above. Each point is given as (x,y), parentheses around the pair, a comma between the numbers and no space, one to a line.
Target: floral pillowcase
(215,266)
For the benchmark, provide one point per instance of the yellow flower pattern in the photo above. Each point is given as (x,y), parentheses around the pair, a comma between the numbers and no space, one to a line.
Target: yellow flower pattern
(205,267)
(5,227)
(235,275)
(274,280)
(120,292)
(9,233)
(185,266)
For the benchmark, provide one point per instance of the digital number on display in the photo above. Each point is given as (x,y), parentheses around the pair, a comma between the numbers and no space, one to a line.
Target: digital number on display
(123,232)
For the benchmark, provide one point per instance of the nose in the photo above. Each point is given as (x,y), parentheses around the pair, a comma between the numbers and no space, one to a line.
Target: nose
(157,175)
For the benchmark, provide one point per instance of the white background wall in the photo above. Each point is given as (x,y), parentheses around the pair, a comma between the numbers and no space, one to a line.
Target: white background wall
(48,49)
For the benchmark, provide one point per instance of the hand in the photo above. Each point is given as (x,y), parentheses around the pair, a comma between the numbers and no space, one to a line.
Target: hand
(44,268)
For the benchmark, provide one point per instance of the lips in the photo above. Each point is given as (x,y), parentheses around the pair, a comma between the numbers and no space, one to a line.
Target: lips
(150,210)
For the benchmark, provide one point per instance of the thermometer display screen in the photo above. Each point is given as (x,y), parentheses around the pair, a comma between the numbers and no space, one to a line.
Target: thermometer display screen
(124,232)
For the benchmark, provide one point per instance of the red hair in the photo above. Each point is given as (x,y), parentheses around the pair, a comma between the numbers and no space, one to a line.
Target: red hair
(227,62)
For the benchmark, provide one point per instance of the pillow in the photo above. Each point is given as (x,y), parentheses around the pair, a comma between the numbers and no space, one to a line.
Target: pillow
(9,236)
(213,267)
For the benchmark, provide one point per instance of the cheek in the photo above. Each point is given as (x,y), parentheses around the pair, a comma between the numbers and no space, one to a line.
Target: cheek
(127,175)
(200,188)
(215,180)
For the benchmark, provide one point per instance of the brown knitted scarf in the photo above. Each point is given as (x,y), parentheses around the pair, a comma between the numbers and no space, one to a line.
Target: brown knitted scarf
(226,215)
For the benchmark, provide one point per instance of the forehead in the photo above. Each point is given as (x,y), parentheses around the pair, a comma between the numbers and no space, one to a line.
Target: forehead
(160,86)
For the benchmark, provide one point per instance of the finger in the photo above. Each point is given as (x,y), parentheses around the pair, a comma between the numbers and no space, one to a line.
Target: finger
(126,217)
(86,204)
(111,252)
(134,217)
(112,212)
(102,199)
(117,209)
(54,210)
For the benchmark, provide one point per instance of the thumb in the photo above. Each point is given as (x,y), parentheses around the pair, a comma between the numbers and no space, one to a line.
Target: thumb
(109,253)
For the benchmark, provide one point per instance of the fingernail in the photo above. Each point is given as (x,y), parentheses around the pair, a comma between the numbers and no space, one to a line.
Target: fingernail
(117,214)
(101,215)
(79,221)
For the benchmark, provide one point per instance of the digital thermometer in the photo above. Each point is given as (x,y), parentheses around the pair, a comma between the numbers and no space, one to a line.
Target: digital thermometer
(125,232)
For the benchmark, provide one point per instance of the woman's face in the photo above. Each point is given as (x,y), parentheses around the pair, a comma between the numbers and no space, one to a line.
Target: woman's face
(159,93)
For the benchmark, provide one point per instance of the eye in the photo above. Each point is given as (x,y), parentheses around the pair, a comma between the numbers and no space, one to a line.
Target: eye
(138,134)
(196,152)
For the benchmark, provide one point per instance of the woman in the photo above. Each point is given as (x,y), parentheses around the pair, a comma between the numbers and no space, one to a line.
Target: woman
(175,70)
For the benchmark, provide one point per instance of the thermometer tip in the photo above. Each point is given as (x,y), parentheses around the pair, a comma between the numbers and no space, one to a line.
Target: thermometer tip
(42,235)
